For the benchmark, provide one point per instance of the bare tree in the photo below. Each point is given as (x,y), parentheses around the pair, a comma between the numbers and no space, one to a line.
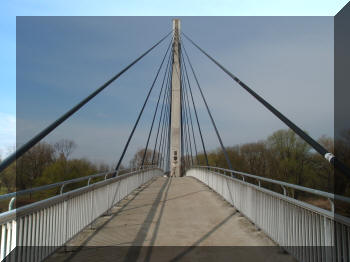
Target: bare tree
(136,161)
(32,164)
(255,156)
(65,147)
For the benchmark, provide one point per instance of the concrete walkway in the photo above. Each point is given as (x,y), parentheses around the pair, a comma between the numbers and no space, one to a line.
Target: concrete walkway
(172,219)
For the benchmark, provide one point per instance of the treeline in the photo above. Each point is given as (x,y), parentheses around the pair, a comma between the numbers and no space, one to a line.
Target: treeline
(45,164)
(282,156)
(286,157)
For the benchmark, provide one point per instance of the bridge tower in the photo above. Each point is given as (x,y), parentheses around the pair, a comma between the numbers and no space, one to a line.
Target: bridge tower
(175,125)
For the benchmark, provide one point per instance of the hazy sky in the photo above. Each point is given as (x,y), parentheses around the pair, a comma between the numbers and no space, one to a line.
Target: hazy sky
(9,10)
(60,60)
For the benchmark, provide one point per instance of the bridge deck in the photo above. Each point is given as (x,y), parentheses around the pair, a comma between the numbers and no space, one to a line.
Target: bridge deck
(171,212)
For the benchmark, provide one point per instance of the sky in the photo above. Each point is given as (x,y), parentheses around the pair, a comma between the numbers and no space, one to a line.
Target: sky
(288,60)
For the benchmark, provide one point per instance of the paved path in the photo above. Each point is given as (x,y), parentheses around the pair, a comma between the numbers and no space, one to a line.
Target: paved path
(172,219)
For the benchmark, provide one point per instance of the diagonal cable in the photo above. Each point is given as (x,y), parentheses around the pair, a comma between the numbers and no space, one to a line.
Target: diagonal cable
(142,109)
(186,121)
(160,120)
(164,138)
(166,102)
(24,148)
(196,114)
(155,112)
(314,144)
(209,113)
(191,121)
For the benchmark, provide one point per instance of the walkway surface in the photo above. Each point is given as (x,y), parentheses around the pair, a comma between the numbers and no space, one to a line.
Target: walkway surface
(172,219)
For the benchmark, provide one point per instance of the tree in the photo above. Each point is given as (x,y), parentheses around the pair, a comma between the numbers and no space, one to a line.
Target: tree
(136,161)
(64,147)
(31,165)
(291,153)
(255,155)
(102,167)
(342,151)
(63,169)
(8,178)
(321,169)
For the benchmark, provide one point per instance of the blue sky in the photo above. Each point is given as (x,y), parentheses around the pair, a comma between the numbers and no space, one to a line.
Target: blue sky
(254,47)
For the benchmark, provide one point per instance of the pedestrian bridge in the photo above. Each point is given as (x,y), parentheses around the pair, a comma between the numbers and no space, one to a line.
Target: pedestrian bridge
(138,215)
(209,214)
(169,212)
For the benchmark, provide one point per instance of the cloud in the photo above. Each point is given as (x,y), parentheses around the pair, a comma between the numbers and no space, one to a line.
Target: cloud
(7,133)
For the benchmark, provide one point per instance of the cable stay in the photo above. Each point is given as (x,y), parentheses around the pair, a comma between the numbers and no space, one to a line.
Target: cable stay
(195,112)
(142,109)
(160,118)
(185,142)
(191,121)
(208,110)
(164,121)
(167,153)
(188,116)
(186,121)
(169,124)
(165,127)
(155,112)
(32,142)
(314,144)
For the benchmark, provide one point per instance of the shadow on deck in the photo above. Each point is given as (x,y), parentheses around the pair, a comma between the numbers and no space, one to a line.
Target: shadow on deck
(172,219)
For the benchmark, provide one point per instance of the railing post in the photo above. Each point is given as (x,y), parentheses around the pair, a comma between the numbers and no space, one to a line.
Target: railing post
(109,206)
(91,207)
(12,201)
(332,204)
(61,190)
(284,190)
(65,224)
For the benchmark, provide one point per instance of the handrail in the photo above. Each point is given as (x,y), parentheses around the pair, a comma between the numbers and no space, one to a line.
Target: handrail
(306,231)
(54,221)
(11,214)
(64,183)
(49,186)
(285,184)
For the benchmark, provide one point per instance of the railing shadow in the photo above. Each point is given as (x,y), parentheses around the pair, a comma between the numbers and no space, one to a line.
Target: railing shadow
(166,200)
(135,250)
(195,244)
(80,248)
(155,233)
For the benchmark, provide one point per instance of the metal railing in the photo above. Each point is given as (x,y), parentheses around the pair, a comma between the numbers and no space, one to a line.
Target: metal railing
(50,223)
(62,184)
(307,232)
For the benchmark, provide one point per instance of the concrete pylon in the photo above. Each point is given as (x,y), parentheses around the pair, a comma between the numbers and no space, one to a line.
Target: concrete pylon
(175,131)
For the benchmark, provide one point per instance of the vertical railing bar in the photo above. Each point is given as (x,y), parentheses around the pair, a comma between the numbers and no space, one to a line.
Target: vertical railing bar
(65,215)
(55,227)
(344,247)
(29,244)
(8,237)
(42,234)
(19,239)
(3,241)
(305,231)
(33,233)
